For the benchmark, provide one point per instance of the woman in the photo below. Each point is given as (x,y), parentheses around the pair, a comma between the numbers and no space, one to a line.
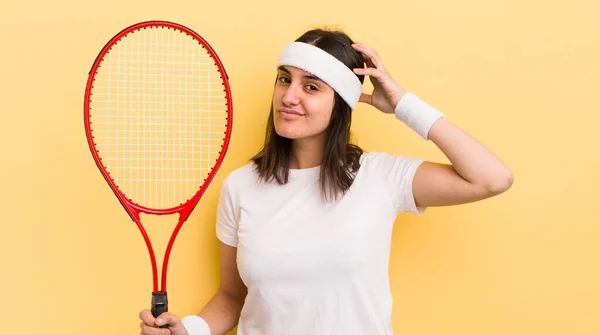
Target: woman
(305,228)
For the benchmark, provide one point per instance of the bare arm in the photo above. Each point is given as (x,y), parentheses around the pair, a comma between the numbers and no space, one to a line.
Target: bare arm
(476,173)
(223,311)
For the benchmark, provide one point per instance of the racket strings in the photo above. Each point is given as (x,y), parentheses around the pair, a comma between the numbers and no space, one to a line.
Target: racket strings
(158,116)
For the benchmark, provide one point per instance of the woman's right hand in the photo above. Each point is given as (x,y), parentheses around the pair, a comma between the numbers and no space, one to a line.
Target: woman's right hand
(151,325)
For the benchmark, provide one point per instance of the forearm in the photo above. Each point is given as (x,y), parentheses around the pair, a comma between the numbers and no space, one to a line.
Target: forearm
(476,173)
(472,160)
(222,313)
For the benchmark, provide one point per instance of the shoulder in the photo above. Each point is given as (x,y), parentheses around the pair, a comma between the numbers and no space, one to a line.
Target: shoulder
(241,178)
(383,162)
(382,158)
(374,156)
(394,174)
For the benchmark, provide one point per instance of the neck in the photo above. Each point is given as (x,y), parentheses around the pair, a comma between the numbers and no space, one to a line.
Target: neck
(307,152)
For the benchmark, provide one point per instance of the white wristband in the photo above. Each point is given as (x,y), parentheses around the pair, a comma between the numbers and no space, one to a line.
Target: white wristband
(417,114)
(195,325)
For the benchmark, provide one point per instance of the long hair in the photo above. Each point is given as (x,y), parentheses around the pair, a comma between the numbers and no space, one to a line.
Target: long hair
(341,159)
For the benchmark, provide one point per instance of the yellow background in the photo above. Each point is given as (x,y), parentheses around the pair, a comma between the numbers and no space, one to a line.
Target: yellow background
(521,76)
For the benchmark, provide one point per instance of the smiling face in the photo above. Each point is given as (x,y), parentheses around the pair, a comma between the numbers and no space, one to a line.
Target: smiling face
(302,104)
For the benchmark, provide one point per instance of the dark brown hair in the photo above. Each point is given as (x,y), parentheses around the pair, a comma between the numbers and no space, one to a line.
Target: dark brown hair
(341,159)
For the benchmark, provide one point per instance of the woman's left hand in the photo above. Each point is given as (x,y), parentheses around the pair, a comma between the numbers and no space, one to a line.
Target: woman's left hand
(386,92)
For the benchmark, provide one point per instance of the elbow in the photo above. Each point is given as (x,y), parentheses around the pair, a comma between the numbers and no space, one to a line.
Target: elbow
(501,184)
(236,296)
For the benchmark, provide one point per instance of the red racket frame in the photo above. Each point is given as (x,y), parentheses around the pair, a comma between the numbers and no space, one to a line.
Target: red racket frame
(133,209)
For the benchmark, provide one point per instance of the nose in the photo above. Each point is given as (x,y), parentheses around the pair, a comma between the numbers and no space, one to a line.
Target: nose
(291,96)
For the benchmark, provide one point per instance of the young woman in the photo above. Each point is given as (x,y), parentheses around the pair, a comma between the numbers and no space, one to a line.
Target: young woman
(305,228)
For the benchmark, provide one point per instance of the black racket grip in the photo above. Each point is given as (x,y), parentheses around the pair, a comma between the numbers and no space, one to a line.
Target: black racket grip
(160,304)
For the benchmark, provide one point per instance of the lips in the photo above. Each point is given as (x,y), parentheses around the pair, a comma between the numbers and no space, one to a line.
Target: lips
(289,112)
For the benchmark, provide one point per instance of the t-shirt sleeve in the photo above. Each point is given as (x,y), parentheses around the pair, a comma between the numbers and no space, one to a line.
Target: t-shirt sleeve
(396,174)
(227,223)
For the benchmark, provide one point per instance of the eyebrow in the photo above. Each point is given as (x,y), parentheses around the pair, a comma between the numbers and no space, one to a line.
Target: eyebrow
(313,77)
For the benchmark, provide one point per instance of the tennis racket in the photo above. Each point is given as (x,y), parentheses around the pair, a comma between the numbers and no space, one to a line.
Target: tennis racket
(158,119)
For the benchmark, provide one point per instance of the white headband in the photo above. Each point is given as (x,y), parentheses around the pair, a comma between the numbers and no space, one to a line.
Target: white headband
(323,65)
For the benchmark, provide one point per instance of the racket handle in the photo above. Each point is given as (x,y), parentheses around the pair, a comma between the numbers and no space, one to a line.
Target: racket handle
(160,304)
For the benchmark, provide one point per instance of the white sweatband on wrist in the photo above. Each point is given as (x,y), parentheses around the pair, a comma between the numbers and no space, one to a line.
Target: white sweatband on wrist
(417,114)
(326,67)
(195,325)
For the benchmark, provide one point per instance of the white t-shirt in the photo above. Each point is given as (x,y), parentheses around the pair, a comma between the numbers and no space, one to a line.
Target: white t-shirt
(315,268)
